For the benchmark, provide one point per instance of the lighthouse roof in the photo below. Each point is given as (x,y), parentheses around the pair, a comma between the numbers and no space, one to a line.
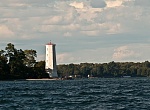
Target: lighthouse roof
(50,43)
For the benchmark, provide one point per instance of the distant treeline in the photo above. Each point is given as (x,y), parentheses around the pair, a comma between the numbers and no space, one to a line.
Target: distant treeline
(21,64)
(111,69)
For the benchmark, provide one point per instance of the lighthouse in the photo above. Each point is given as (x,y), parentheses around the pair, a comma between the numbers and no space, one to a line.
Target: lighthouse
(50,66)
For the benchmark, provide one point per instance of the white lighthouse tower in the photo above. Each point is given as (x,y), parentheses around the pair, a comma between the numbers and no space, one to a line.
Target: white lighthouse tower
(51,60)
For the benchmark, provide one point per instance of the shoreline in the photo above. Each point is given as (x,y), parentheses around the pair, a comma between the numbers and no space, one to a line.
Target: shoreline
(53,79)
(44,79)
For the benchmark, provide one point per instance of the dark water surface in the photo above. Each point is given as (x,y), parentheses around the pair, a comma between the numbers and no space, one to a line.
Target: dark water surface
(83,94)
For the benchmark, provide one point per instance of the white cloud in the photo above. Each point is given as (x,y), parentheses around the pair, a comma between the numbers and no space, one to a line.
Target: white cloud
(71,27)
(122,53)
(65,57)
(41,20)
(132,52)
(77,4)
(101,29)
(114,29)
(114,3)
(19,5)
(90,33)
(5,31)
(53,20)
(94,55)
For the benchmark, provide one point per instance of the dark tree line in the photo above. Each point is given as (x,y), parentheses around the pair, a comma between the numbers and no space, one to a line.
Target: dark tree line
(111,69)
(20,64)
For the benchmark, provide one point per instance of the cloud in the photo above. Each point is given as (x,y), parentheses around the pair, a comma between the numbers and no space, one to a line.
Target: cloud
(114,29)
(122,53)
(53,20)
(101,29)
(90,33)
(132,52)
(113,23)
(98,3)
(65,57)
(5,31)
(58,28)
(77,5)
(114,3)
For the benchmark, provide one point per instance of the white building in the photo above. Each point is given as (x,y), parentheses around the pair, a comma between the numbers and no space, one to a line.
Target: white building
(51,60)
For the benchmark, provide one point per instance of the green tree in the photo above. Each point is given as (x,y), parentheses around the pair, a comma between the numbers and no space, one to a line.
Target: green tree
(19,63)
(10,53)
(40,70)
(30,58)
(15,61)
(76,70)
(3,64)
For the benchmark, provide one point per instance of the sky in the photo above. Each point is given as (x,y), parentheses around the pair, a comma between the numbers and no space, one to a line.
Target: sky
(92,31)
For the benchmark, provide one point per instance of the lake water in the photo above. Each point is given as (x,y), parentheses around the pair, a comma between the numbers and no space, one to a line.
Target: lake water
(83,94)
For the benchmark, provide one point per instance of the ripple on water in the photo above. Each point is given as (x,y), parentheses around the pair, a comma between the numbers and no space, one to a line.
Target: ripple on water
(85,94)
